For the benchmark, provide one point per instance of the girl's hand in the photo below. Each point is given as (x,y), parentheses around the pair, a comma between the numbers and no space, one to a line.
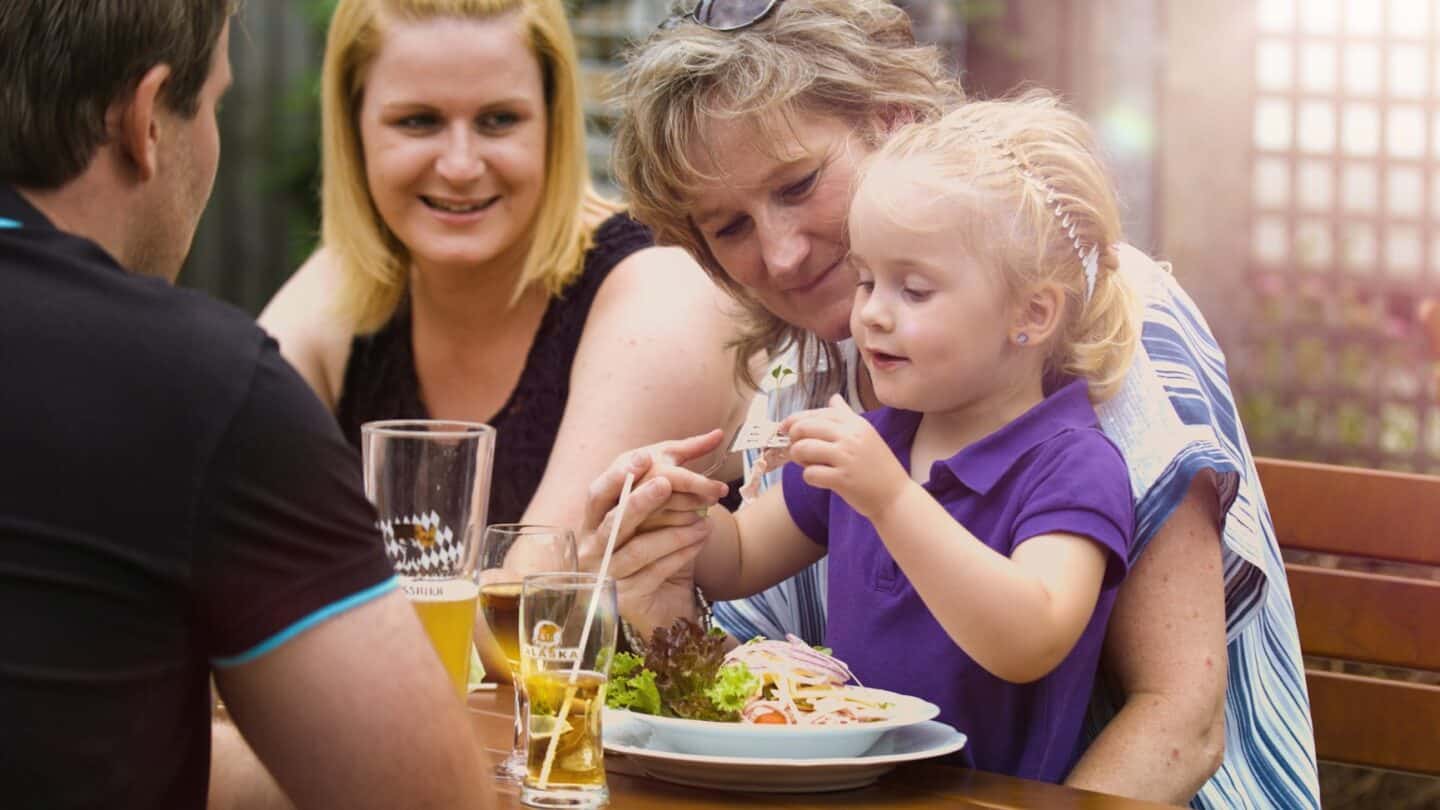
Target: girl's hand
(843,453)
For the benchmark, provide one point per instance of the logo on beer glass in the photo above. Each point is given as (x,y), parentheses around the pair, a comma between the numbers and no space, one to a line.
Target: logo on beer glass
(544,641)
(546,634)
(420,544)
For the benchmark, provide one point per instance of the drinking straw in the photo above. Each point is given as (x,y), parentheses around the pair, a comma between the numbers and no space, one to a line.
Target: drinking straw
(585,633)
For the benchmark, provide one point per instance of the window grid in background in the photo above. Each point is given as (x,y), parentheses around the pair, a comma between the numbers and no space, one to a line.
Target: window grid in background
(1346,189)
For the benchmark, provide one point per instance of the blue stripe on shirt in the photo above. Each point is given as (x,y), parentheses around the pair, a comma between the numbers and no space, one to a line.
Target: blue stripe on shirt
(8,223)
(353,600)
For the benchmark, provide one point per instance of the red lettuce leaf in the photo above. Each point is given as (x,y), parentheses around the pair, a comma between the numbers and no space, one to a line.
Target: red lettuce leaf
(686,660)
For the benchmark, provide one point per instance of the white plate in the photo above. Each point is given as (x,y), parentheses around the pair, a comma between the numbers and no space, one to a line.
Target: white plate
(778,741)
(917,741)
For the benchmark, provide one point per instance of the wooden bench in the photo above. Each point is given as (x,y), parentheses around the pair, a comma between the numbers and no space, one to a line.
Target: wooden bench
(1362,616)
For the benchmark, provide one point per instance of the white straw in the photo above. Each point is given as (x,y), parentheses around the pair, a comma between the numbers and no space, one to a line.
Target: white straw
(585,632)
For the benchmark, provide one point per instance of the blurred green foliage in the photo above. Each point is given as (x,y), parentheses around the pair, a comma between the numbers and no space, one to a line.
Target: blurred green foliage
(294,170)
(1336,372)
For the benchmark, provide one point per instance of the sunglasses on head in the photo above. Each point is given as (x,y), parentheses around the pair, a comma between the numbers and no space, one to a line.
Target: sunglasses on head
(725,15)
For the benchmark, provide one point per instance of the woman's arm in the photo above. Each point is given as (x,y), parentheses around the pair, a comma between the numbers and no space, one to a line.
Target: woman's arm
(302,319)
(652,364)
(1166,650)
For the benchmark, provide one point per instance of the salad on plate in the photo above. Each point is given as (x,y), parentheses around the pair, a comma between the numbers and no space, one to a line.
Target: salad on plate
(687,674)
(766,699)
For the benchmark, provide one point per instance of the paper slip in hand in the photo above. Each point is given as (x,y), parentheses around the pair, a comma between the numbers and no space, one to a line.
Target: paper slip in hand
(758,432)
(759,436)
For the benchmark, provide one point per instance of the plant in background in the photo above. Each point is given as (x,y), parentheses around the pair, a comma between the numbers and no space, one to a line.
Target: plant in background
(294,168)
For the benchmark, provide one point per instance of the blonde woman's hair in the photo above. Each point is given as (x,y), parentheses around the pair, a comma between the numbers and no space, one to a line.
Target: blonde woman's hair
(1032,198)
(374,263)
(854,60)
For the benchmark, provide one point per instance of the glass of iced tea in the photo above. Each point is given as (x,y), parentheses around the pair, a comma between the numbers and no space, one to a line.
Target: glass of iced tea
(508,553)
(430,483)
(567,640)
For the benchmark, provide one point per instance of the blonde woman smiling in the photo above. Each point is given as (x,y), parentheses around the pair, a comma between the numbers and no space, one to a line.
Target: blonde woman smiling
(469,271)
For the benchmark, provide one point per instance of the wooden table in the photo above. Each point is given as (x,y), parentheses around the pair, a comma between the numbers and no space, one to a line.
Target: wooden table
(913,785)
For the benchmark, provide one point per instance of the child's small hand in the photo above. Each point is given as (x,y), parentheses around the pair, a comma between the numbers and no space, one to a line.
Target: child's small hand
(843,453)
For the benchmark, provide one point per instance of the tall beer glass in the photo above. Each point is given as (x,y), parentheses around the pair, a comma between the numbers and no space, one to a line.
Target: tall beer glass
(430,483)
(508,553)
(565,667)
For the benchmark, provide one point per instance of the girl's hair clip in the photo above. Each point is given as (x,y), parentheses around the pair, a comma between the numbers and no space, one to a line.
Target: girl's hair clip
(1089,259)
(1091,262)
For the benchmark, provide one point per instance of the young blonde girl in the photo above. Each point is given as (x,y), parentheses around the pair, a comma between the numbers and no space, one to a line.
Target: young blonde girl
(979,524)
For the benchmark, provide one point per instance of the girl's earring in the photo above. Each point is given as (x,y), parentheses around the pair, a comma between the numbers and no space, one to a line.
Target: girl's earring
(1022,338)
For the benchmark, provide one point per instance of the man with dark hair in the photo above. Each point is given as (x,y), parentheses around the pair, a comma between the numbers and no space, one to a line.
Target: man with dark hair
(174,502)
(64,63)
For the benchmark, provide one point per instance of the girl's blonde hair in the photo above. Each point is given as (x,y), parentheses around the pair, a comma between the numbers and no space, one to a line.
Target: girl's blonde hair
(854,60)
(374,263)
(1033,198)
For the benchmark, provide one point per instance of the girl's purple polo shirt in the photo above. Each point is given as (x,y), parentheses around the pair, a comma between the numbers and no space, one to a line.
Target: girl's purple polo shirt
(1050,470)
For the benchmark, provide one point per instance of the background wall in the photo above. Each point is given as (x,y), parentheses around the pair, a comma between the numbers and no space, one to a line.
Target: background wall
(1259,145)
(260,219)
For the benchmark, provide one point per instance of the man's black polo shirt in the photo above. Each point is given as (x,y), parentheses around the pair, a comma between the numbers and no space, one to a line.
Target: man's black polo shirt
(172,498)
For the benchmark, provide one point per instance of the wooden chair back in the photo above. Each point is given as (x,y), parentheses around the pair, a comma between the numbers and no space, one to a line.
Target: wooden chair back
(1365,617)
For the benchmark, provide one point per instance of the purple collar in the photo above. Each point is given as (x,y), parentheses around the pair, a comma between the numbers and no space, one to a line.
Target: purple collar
(982,464)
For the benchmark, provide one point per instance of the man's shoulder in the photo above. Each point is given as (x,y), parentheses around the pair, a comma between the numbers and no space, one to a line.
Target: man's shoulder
(66,287)
(226,331)
(114,350)
(183,339)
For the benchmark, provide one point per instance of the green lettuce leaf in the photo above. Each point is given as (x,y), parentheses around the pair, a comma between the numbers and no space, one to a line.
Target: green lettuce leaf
(734,685)
(631,686)
(625,665)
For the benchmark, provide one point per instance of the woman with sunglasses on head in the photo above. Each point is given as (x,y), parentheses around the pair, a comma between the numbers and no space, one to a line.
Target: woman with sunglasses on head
(469,271)
(743,123)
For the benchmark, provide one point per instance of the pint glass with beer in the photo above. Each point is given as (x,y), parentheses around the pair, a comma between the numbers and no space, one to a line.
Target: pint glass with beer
(430,483)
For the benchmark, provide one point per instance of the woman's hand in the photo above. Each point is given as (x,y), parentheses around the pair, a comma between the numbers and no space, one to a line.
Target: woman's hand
(661,532)
(842,452)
